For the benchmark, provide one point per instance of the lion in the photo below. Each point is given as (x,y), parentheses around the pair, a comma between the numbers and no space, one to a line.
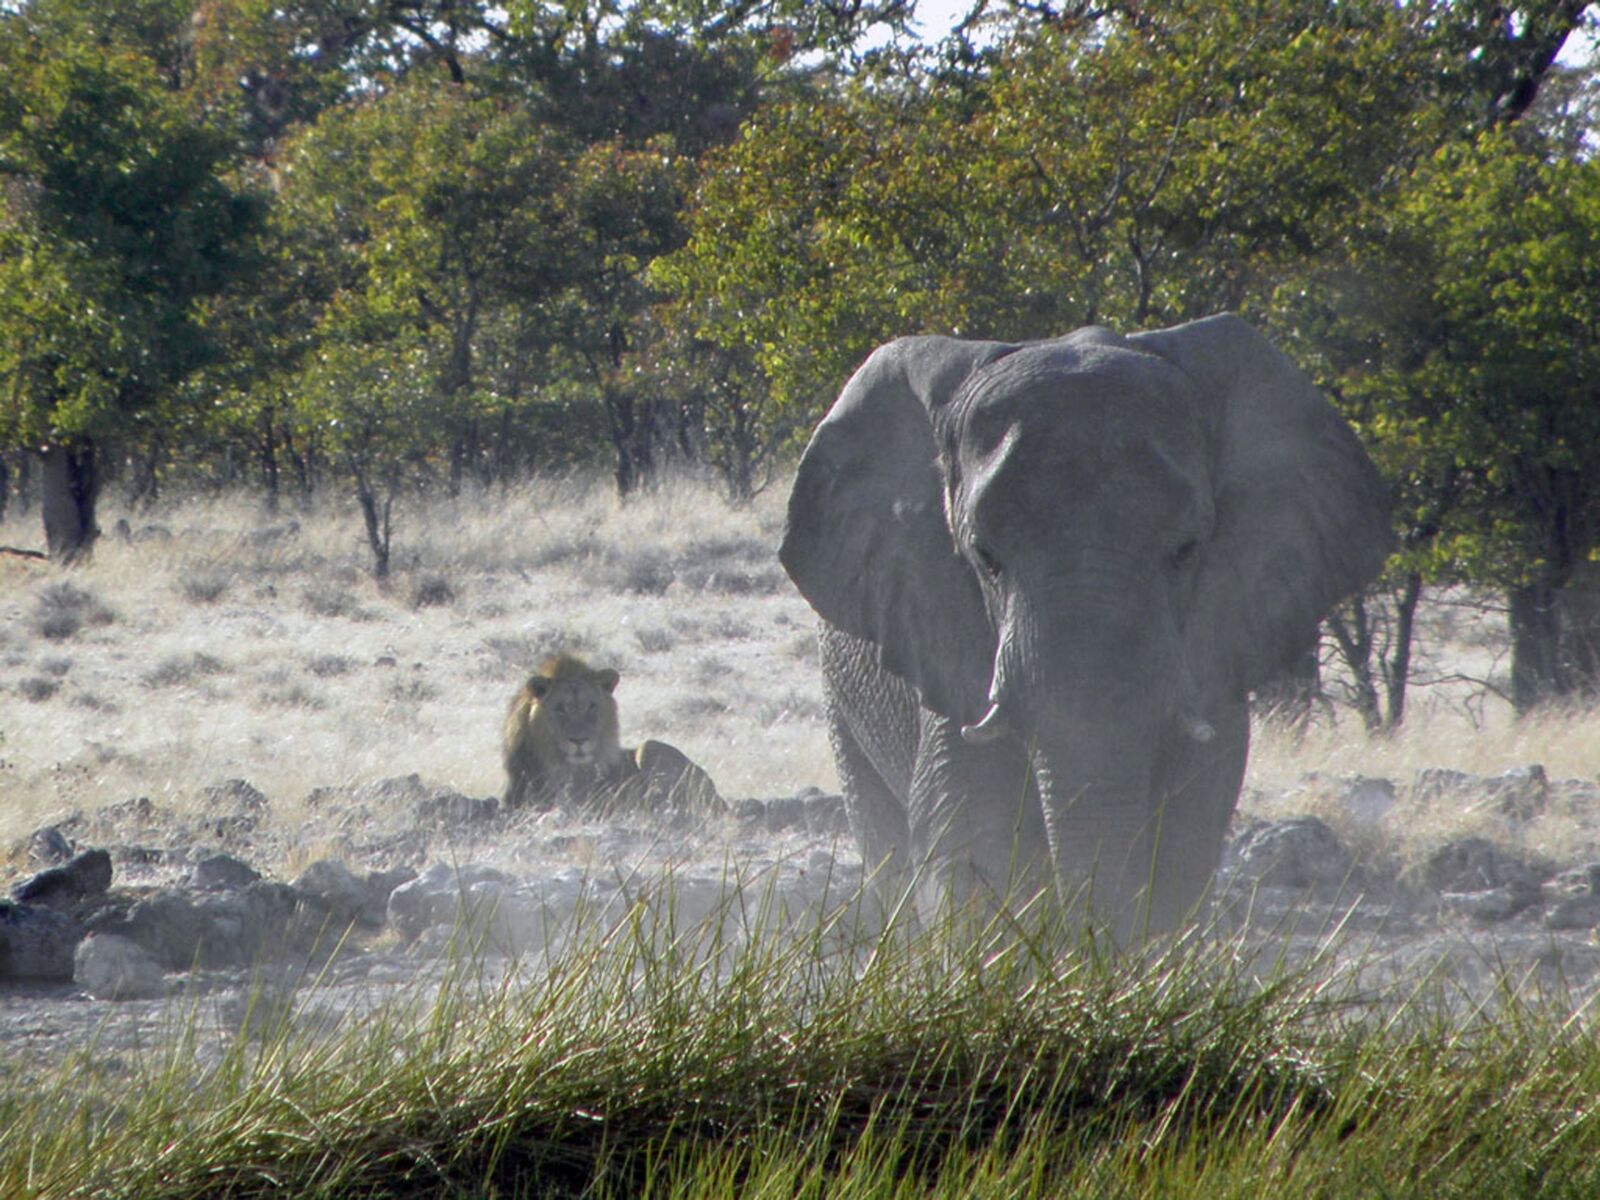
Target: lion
(563,747)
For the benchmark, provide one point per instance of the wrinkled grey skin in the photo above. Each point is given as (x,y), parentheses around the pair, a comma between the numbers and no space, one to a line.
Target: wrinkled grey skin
(1049,575)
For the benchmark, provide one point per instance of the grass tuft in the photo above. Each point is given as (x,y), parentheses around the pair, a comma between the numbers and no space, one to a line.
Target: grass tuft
(178,669)
(37,689)
(637,1059)
(431,591)
(62,610)
(204,586)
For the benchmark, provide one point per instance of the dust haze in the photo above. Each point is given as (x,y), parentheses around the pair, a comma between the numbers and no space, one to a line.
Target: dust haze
(220,681)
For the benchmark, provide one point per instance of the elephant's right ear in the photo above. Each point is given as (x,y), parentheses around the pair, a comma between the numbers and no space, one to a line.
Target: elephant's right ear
(866,540)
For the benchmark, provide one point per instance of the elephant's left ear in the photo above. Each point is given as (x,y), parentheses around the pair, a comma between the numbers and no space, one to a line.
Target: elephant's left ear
(1302,515)
(866,540)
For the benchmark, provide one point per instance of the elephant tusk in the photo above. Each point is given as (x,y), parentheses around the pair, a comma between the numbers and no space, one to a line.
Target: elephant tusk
(990,727)
(1197,729)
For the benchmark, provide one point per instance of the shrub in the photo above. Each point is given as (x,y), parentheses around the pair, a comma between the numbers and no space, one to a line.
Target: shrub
(62,610)
(431,591)
(37,688)
(204,587)
(178,669)
(325,666)
(325,599)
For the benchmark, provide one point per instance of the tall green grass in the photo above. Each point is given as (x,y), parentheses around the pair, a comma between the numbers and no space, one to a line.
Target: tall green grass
(638,1063)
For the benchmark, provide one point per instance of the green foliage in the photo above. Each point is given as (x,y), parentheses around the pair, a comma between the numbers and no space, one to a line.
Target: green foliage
(1464,329)
(1128,171)
(416,236)
(118,226)
(697,216)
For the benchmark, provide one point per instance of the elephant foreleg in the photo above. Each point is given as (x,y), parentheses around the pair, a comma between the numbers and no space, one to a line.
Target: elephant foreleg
(977,828)
(1196,787)
(872,724)
(877,815)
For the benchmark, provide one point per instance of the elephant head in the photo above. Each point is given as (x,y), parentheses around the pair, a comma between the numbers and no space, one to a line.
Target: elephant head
(1094,546)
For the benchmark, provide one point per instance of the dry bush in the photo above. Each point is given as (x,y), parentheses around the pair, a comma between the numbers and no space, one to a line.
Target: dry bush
(711,669)
(205,587)
(431,591)
(324,599)
(655,640)
(279,686)
(37,689)
(803,648)
(176,669)
(726,626)
(62,610)
(413,690)
(791,706)
(642,570)
(325,666)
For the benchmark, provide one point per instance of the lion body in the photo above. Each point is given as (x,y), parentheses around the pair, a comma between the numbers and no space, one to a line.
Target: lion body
(563,747)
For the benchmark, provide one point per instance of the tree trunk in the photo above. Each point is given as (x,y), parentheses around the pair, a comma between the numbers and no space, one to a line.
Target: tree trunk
(634,427)
(24,482)
(5,486)
(458,460)
(1354,638)
(145,488)
(376,527)
(1578,607)
(1397,670)
(269,458)
(1290,695)
(301,462)
(1537,676)
(71,485)
(501,458)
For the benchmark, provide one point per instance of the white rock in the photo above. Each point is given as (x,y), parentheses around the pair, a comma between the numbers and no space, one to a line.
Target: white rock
(109,967)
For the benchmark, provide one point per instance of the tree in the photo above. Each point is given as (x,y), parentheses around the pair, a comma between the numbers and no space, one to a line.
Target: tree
(1485,395)
(623,207)
(721,402)
(1134,165)
(419,220)
(1137,168)
(119,224)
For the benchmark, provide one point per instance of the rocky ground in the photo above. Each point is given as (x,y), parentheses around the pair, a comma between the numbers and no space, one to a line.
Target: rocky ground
(132,921)
(235,770)
(120,920)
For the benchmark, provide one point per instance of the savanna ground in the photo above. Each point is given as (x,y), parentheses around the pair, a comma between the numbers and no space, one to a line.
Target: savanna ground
(222,643)
(217,643)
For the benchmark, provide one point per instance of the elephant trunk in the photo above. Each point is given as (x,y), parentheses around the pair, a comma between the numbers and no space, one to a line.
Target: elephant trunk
(1093,699)
(1099,822)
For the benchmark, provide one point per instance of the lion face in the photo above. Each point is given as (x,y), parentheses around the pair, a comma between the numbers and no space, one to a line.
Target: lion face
(561,732)
(579,713)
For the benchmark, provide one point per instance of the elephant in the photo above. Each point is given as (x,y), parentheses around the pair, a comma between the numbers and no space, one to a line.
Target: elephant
(1049,575)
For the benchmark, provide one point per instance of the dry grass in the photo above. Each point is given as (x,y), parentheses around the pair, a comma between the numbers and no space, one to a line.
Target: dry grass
(244,646)
(256,647)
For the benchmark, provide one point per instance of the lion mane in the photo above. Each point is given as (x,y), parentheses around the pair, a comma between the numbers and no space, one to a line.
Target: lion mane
(562,746)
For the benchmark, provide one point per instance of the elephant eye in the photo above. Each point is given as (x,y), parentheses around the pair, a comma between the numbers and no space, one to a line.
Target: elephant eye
(990,564)
(1185,554)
